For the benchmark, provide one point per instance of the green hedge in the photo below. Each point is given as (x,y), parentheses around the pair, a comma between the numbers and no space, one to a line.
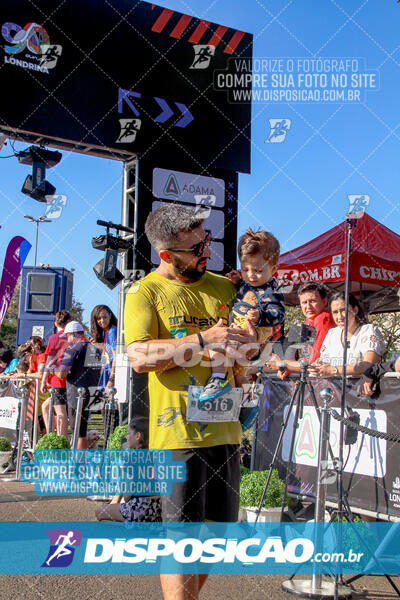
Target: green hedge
(252,486)
(115,440)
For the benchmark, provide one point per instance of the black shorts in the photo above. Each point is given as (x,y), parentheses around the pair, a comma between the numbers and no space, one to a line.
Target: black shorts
(84,420)
(59,396)
(211,489)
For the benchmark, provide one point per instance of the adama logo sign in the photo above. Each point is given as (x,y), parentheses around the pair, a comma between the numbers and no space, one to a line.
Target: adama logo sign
(29,47)
(188,187)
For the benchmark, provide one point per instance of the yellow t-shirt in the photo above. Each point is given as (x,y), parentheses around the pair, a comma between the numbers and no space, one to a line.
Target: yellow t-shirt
(158,308)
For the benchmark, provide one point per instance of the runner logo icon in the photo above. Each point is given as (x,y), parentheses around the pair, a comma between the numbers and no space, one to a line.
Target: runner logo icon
(202,56)
(62,547)
(278,130)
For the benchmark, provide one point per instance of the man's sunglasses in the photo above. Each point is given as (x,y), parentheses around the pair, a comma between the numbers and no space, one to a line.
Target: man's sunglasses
(197,249)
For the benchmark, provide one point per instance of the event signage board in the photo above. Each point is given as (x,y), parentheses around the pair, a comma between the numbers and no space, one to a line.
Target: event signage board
(123,77)
(204,193)
(188,187)
(214,194)
(371,474)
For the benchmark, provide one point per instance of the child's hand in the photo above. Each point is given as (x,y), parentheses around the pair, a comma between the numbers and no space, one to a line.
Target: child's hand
(253,315)
(281,375)
(366,386)
(234,276)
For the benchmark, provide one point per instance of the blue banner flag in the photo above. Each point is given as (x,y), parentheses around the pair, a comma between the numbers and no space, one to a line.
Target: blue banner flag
(16,254)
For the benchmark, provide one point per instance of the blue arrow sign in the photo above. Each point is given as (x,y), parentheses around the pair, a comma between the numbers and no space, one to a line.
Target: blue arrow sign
(124,95)
(166,112)
(187,116)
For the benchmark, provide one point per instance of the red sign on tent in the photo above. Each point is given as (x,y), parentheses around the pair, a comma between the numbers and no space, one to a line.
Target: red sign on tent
(375,263)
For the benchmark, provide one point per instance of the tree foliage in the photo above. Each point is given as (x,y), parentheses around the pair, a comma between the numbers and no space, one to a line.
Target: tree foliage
(389,324)
(293,316)
(77,312)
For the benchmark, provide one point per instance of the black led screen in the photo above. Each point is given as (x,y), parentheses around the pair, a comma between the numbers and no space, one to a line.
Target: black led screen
(124,77)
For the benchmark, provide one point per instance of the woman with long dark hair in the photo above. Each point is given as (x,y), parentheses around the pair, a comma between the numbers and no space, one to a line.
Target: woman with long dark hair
(366,343)
(103,328)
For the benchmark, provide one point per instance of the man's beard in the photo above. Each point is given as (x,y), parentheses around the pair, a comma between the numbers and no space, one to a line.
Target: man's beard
(193,274)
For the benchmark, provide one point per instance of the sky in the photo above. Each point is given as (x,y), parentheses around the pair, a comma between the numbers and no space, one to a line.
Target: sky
(297,187)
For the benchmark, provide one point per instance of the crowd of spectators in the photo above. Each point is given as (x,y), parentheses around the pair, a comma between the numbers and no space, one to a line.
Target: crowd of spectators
(71,359)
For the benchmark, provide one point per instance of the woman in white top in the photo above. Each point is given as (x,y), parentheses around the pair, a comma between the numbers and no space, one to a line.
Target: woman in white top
(366,343)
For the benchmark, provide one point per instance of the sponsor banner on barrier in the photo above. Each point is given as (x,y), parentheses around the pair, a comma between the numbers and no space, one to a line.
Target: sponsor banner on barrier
(122,472)
(8,412)
(370,468)
(219,548)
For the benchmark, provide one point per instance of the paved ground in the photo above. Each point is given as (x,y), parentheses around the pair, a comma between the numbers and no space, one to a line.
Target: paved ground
(18,503)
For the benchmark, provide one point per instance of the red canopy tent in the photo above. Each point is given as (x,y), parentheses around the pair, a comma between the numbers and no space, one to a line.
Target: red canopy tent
(375,264)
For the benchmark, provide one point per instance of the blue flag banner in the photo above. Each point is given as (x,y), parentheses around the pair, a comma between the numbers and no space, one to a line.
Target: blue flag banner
(14,259)
(219,548)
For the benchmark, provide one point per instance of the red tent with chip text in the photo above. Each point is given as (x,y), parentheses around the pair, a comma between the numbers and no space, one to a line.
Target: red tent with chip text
(375,264)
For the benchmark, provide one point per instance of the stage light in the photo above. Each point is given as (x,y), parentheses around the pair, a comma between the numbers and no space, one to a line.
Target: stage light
(39,192)
(35,185)
(102,242)
(50,158)
(106,269)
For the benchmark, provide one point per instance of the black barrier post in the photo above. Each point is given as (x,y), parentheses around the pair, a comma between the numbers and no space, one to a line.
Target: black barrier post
(351,223)
(17,452)
(277,449)
(22,418)
(298,415)
(299,396)
(51,406)
(78,415)
(110,412)
(316,587)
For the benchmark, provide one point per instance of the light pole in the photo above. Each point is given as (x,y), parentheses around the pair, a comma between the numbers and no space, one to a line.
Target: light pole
(41,219)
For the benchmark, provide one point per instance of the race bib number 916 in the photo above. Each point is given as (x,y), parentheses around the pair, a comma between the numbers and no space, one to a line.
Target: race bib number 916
(225,408)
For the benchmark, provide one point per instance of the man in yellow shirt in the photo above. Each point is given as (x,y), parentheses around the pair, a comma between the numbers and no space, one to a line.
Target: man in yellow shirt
(171,316)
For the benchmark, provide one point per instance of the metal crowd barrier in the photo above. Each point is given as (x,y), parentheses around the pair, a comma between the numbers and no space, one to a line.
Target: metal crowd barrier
(23,397)
(110,413)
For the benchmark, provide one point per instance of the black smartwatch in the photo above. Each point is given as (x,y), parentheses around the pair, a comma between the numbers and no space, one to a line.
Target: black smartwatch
(282,367)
